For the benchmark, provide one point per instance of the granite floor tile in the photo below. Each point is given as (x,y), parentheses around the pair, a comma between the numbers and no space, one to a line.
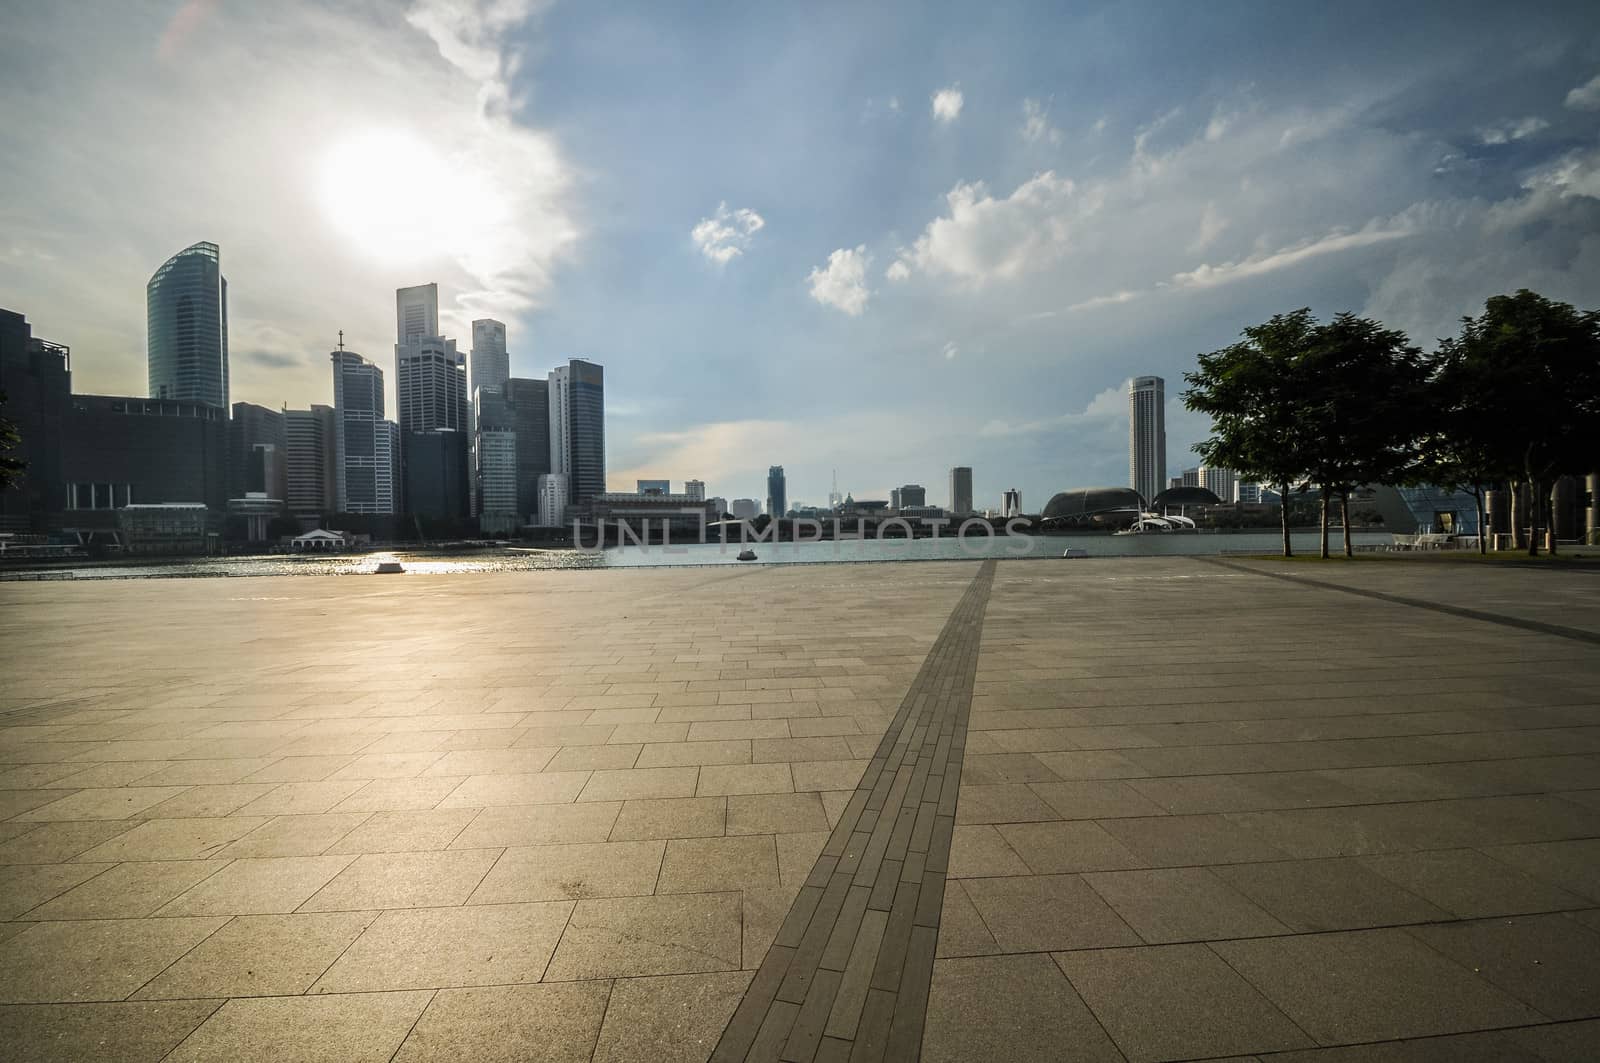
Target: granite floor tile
(404,880)
(1175,841)
(258,886)
(762,913)
(1090,764)
(1177,1002)
(596,758)
(478,791)
(631,936)
(105,959)
(678,754)
(538,824)
(302,798)
(722,780)
(351,1028)
(1466,883)
(670,1019)
(24,887)
(299,769)
(174,839)
(979,851)
(115,803)
(1341,894)
(527,760)
(202,801)
(106,1033)
(1002,803)
(126,891)
(705,865)
(261,955)
(797,855)
(434,948)
(826,774)
(961,929)
(294,835)
(553,1023)
(1570,865)
(1549,962)
(776,813)
(398,832)
(1043,913)
(572,872)
(1064,847)
(634,783)
(1181,904)
(1016,1008)
(53,843)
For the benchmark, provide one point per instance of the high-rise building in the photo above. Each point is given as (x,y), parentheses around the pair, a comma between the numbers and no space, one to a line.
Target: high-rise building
(364,441)
(36,377)
(960,490)
(554,490)
(494,457)
(1218,481)
(1013,503)
(120,450)
(894,498)
(696,490)
(578,427)
(1191,477)
(437,473)
(186,304)
(312,467)
(1147,436)
(491,366)
(913,495)
(744,508)
(777,492)
(654,487)
(431,392)
(258,446)
(416,312)
(528,402)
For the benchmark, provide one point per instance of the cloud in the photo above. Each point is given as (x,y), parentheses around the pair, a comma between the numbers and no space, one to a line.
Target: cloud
(898,271)
(984,238)
(842,285)
(725,235)
(950,350)
(1108,408)
(1112,299)
(947,104)
(471,36)
(1511,129)
(1585,97)
(1036,125)
(1209,276)
(1211,225)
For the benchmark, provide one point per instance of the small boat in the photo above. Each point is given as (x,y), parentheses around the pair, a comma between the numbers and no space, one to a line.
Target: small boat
(747,555)
(1074,551)
(389,566)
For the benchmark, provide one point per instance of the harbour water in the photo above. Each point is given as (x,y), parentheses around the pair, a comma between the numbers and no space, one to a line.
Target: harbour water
(975,547)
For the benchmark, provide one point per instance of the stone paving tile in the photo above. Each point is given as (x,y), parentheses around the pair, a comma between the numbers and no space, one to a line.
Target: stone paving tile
(1204,1007)
(538,824)
(722,780)
(1313,895)
(703,865)
(260,955)
(53,843)
(553,1023)
(398,832)
(634,783)
(1046,913)
(24,887)
(668,1019)
(174,839)
(572,872)
(350,1028)
(1065,847)
(1546,961)
(1468,883)
(136,1032)
(1015,1008)
(258,886)
(93,959)
(294,835)
(404,880)
(1182,904)
(126,891)
(432,948)
(629,936)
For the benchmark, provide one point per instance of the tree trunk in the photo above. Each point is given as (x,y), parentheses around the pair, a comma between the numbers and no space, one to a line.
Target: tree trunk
(1344,515)
(1550,497)
(1324,554)
(1517,513)
(1483,529)
(1283,518)
(1533,518)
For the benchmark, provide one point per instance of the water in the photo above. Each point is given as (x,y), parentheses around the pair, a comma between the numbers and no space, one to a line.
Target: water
(974,547)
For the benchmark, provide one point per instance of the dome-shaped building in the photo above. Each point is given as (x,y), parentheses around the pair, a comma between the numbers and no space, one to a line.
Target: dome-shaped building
(1093,507)
(1182,498)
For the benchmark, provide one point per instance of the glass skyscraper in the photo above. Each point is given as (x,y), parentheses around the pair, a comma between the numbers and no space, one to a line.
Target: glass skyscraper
(777,492)
(1147,436)
(586,423)
(187,321)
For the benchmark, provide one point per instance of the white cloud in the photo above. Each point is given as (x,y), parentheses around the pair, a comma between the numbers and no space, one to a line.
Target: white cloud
(843,284)
(1107,409)
(950,350)
(984,238)
(1585,97)
(898,271)
(1511,129)
(1036,125)
(1211,225)
(1209,276)
(726,234)
(1113,299)
(947,104)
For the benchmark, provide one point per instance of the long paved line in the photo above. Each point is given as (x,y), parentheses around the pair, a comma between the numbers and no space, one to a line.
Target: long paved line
(847,976)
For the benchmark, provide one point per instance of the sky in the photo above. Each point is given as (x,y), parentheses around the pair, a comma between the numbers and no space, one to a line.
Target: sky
(883,239)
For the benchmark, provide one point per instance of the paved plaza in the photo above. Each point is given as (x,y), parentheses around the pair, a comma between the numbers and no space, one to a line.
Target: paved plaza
(1133,809)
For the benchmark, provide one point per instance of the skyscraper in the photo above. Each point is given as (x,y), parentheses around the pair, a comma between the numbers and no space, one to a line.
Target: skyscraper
(364,440)
(494,455)
(913,495)
(186,304)
(577,394)
(257,452)
(1219,482)
(960,490)
(416,312)
(431,392)
(777,492)
(529,404)
(1147,436)
(695,489)
(312,439)
(1012,506)
(491,366)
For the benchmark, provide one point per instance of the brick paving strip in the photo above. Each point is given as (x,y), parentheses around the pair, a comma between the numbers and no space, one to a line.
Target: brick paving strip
(847,976)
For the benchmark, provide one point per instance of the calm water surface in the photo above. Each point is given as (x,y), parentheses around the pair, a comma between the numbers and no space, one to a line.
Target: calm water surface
(848,550)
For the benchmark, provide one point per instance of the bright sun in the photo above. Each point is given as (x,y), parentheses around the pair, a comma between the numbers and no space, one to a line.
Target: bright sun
(397,199)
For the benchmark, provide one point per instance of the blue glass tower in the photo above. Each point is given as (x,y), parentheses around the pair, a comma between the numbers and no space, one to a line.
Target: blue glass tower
(187,305)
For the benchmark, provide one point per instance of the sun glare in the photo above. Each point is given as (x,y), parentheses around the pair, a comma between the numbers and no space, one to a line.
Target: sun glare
(397,198)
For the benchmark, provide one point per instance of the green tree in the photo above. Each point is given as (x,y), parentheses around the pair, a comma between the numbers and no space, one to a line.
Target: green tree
(1534,365)
(1252,392)
(1460,451)
(10,468)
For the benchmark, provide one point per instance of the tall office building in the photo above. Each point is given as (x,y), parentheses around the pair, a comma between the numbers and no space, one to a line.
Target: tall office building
(913,495)
(494,457)
(36,377)
(491,366)
(528,402)
(1013,503)
(554,492)
(1147,436)
(416,313)
(364,441)
(695,489)
(258,447)
(186,304)
(431,392)
(1219,482)
(894,498)
(1190,477)
(960,490)
(777,492)
(577,393)
(311,468)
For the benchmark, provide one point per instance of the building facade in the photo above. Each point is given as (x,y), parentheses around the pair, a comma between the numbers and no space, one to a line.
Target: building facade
(436,471)
(1012,506)
(491,366)
(695,489)
(311,466)
(123,450)
(494,460)
(744,508)
(577,394)
(1147,435)
(364,442)
(912,495)
(654,487)
(960,490)
(186,305)
(416,313)
(777,492)
(258,448)
(36,377)
(1221,482)
(554,490)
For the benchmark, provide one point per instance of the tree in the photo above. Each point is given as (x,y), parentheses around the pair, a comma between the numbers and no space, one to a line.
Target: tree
(1459,451)
(1251,390)
(10,468)
(1361,386)
(1534,366)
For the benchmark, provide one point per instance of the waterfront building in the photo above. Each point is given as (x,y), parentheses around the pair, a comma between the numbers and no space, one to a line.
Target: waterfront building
(744,509)
(695,489)
(913,495)
(1147,435)
(491,366)
(961,490)
(718,503)
(431,392)
(250,517)
(1220,482)
(578,427)
(258,448)
(554,491)
(894,498)
(1249,493)
(164,528)
(311,466)
(528,406)
(36,377)
(1093,507)
(365,443)
(777,492)
(494,460)
(1012,505)
(186,305)
(645,514)
(654,487)
(436,472)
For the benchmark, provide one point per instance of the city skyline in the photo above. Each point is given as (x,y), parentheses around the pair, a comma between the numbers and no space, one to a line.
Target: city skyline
(1105,204)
